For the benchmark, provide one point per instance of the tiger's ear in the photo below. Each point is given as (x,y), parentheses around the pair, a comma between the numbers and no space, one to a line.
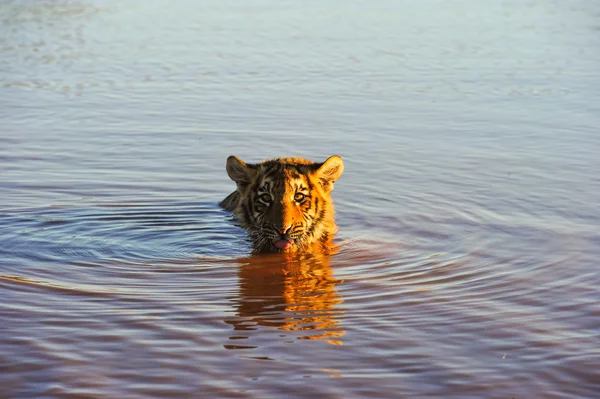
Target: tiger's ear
(238,171)
(330,170)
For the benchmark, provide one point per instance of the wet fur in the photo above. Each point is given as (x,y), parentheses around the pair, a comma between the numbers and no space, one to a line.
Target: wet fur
(299,194)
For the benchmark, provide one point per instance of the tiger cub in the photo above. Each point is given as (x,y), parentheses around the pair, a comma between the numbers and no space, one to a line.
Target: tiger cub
(284,204)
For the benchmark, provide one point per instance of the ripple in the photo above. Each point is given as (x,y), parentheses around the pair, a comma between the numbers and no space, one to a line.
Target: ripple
(120,232)
(468,210)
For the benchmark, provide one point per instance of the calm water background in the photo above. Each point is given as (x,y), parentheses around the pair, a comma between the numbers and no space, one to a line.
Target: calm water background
(469,211)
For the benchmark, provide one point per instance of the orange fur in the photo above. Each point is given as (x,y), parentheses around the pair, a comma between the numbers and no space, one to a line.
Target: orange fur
(285,203)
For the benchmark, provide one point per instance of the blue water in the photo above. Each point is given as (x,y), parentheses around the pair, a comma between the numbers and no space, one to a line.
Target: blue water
(468,209)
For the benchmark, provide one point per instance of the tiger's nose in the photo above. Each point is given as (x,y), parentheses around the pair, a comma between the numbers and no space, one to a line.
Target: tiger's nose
(286,230)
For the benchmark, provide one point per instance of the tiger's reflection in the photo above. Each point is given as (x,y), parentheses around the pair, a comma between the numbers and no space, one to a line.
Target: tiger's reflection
(291,292)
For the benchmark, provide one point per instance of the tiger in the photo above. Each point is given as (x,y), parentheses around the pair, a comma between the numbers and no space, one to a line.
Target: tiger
(284,204)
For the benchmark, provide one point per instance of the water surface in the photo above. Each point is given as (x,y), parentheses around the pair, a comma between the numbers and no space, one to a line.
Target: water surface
(469,210)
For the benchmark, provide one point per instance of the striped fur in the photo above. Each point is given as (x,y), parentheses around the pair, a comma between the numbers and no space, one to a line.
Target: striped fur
(284,199)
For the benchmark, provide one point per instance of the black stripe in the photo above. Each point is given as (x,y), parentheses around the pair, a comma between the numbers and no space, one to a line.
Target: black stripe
(295,173)
(310,185)
(318,219)
(248,215)
(249,208)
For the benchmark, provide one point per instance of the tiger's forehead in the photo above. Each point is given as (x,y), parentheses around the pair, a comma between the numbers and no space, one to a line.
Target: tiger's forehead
(287,178)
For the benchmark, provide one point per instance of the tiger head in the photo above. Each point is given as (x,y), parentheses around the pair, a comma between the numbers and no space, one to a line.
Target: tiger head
(284,204)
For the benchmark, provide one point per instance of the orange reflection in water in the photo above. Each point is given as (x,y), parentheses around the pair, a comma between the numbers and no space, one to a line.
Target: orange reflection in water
(291,292)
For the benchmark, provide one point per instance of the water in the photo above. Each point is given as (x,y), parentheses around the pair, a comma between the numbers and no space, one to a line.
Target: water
(469,210)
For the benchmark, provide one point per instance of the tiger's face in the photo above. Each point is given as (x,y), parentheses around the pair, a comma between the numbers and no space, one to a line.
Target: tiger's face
(284,204)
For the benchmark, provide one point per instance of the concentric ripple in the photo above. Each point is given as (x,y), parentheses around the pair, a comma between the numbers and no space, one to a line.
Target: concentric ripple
(468,211)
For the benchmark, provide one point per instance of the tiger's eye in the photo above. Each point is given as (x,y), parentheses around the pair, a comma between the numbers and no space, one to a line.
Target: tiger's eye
(299,197)
(265,197)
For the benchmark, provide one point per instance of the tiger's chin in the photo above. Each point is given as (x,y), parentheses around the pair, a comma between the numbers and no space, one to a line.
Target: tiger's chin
(284,244)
